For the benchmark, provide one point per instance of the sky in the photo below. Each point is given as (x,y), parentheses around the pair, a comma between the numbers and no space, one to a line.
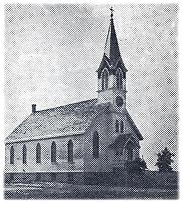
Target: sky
(52,52)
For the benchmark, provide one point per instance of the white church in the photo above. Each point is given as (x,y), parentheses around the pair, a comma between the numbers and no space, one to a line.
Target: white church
(78,142)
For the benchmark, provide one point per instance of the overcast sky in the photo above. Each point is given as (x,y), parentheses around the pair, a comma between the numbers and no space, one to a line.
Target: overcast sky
(53,51)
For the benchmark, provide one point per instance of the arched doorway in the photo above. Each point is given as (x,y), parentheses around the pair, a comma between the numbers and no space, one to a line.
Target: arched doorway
(130,149)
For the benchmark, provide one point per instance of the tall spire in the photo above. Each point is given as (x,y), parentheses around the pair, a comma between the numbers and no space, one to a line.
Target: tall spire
(111,58)
(111,46)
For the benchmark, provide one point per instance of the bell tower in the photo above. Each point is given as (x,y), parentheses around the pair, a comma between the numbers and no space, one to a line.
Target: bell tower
(112,72)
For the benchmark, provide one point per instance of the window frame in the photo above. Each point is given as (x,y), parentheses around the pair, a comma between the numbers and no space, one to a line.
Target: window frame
(119,77)
(105,79)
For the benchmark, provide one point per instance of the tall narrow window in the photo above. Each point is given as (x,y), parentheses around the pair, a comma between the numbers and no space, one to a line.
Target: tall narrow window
(121,127)
(38,153)
(24,154)
(119,79)
(95,145)
(12,155)
(53,152)
(117,126)
(70,151)
(105,80)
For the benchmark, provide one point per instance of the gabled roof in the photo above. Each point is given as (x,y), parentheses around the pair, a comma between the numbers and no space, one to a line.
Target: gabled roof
(121,141)
(133,125)
(71,119)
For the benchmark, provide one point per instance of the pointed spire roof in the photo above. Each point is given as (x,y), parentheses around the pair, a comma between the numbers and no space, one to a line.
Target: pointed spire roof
(111,46)
(111,58)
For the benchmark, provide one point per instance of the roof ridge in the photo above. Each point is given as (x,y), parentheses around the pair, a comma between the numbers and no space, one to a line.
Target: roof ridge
(66,105)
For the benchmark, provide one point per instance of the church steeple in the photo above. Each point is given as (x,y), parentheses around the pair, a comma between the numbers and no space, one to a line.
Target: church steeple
(111,58)
(111,46)
(112,71)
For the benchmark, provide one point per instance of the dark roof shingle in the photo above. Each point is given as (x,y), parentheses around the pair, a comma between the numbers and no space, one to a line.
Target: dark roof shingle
(70,119)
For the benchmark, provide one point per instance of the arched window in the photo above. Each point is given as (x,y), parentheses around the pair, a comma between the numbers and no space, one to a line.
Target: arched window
(119,79)
(12,155)
(70,151)
(105,80)
(53,152)
(95,145)
(121,127)
(117,126)
(24,154)
(38,153)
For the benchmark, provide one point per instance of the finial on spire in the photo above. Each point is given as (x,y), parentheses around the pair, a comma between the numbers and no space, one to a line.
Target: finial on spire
(111,12)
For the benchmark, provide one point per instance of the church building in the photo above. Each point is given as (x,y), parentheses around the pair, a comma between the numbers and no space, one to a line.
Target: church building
(81,141)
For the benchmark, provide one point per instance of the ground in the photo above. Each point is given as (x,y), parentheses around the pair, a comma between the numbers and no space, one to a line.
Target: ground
(70,191)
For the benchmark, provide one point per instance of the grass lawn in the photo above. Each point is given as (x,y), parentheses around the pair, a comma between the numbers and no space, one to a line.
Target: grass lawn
(68,191)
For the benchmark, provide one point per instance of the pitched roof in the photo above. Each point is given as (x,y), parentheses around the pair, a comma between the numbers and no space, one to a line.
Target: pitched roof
(71,119)
(133,125)
(121,141)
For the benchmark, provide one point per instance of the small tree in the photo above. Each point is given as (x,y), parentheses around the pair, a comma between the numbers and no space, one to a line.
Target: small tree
(136,166)
(164,160)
